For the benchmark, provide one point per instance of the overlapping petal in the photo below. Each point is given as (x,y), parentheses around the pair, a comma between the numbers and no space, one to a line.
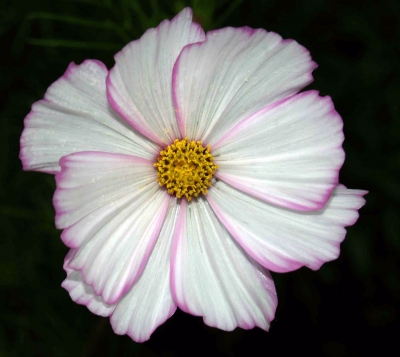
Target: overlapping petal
(116,202)
(139,85)
(82,293)
(149,302)
(288,154)
(212,276)
(233,74)
(75,116)
(283,240)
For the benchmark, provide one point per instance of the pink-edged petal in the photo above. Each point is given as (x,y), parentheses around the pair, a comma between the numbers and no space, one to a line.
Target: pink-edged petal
(139,85)
(92,181)
(283,240)
(231,75)
(119,208)
(149,303)
(82,293)
(75,116)
(211,276)
(288,154)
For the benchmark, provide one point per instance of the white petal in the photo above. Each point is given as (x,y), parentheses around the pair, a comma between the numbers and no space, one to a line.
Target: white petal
(231,75)
(95,180)
(119,208)
(149,302)
(213,277)
(139,85)
(75,116)
(283,240)
(288,154)
(83,294)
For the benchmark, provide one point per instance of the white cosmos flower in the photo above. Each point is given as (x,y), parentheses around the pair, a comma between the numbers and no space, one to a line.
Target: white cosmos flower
(139,252)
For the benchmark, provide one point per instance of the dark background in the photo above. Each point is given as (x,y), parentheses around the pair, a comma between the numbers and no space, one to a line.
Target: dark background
(347,308)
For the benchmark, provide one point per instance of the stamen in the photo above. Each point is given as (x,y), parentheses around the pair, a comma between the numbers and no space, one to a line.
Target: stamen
(185,168)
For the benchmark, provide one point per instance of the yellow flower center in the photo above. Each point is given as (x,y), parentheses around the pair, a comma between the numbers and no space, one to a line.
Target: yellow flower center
(185,168)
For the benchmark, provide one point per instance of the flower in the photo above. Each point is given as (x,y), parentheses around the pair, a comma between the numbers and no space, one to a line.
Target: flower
(187,172)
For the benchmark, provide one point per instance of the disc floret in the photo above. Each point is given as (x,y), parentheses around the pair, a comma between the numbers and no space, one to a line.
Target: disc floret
(186,168)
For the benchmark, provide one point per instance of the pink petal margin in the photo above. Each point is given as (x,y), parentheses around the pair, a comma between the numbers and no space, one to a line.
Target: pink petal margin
(25,154)
(74,105)
(150,108)
(112,258)
(259,176)
(179,231)
(83,294)
(213,90)
(211,276)
(283,240)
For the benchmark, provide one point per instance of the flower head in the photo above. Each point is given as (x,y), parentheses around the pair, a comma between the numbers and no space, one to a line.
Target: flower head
(188,171)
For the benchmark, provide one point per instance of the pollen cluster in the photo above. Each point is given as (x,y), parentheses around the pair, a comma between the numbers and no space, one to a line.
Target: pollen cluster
(185,168)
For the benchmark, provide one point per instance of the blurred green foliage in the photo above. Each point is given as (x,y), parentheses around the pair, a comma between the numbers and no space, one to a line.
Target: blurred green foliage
(346,308)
